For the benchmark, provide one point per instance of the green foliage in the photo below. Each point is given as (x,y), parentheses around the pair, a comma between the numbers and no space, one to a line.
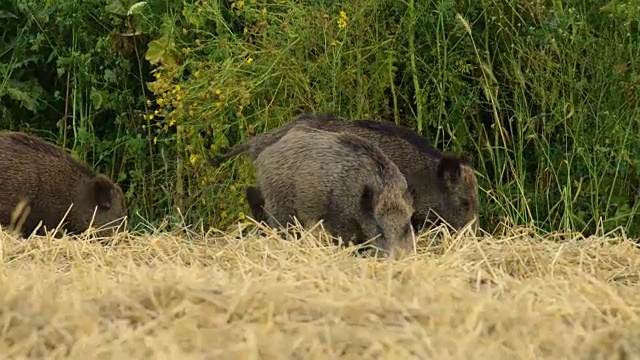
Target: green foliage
(542,94)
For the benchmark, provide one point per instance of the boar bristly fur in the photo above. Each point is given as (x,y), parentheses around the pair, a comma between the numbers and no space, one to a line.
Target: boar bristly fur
(444,186)
(256,144)
(48,181)
(339,178)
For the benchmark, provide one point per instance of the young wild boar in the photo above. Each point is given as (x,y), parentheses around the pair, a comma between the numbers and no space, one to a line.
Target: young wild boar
(443,185)
(48,180)
(339,178)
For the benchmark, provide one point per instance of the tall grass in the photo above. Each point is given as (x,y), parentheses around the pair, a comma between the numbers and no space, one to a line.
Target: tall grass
(543,95)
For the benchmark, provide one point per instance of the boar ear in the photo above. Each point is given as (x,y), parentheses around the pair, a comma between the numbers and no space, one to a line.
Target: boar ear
(449,168)
(366,199)
(103,191)
(465,159)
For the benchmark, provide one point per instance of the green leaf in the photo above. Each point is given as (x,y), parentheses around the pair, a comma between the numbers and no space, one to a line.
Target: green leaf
(98,97)
(7,15)
(136,8)
(192,16)
(110,76)
(115,7)
(163,51)
(27,93)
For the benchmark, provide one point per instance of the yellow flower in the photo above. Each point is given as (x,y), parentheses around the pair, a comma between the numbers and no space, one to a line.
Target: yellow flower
(155,140)
(160,101)
(239,5)
(217,92)
(193,158)
(150,117)
(343,20)
(148,102)
(241,216)
(172,121)
(249,60)
(197,73)
(218,104)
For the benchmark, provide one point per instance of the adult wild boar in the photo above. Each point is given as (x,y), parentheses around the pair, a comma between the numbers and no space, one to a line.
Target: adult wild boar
(48,180)
(339,178)
(443,185)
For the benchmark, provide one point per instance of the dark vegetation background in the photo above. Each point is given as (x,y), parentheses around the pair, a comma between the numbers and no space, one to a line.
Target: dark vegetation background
(542,94)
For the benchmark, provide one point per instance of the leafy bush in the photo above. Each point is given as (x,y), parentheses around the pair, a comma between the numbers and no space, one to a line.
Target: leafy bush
(541,94)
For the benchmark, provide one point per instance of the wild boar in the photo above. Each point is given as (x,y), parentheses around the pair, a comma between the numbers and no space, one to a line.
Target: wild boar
(45,181)
(339,178)
(443,185)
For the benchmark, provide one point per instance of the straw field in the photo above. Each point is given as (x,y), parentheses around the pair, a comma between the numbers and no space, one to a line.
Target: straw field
(252,295)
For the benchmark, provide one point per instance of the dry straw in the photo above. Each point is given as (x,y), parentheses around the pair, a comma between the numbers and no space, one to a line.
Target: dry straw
(251,295)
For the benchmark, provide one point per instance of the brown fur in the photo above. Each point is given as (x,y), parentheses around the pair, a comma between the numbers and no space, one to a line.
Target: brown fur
(339,178)
(443,185)
(48,180)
